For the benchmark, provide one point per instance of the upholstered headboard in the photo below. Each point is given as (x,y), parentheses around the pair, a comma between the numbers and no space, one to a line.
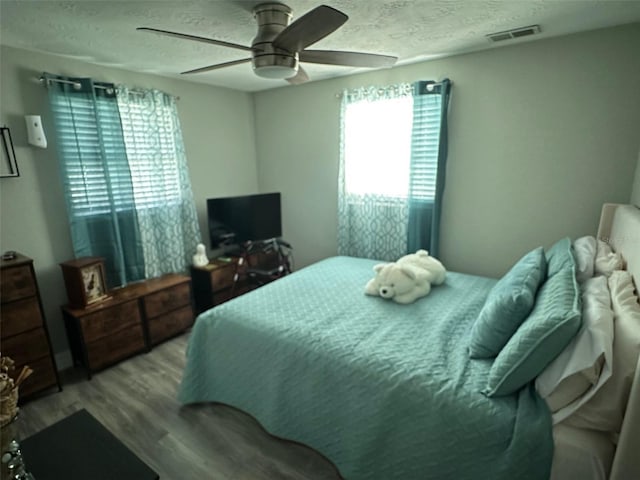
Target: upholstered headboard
(620,226)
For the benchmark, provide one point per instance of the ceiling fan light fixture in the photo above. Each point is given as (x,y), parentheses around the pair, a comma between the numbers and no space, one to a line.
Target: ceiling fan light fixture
(275,66)
(276,72)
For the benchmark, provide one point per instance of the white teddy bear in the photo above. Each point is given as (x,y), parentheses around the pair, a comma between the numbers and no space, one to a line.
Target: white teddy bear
(407,279)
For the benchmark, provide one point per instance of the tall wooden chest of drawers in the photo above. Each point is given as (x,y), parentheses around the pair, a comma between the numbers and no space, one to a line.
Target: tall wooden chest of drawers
(23,332)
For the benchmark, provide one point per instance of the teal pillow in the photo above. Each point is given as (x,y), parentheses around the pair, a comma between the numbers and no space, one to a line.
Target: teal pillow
(559,256)
(508,304)
(553,322)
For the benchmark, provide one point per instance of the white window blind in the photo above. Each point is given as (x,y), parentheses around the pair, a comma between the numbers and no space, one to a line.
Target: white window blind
(100,171)
(391,147)
(151,149)
(95,162)
(424,146)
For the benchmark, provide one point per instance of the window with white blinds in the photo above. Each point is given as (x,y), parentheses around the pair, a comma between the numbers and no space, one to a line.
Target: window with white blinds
(112,160)
(151,149)
(391,147)
(95,167)
(425,141)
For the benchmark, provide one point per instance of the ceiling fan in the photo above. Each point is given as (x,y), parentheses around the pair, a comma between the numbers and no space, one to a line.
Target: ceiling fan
(280,45)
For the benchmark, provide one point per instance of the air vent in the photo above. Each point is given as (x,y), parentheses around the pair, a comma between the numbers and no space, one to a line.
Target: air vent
(514,33)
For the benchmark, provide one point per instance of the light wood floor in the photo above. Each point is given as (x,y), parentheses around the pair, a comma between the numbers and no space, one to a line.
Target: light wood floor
(136,401)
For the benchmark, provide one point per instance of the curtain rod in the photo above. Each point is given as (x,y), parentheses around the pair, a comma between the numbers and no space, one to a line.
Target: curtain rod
(77,85)
(429,87)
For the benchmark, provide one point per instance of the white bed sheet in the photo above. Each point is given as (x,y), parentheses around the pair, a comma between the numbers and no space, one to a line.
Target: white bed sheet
(580,453)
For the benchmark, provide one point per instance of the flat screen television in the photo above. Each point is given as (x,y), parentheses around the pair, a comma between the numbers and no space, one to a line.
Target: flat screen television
(235,220)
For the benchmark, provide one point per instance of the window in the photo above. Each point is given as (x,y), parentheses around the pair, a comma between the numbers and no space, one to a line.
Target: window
(125,177)
(154,171)
(393,141)
(378,147)
(93,186)
(425,138)
(391,147)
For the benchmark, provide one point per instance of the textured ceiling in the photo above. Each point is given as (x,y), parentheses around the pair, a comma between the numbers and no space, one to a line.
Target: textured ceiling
(104,32)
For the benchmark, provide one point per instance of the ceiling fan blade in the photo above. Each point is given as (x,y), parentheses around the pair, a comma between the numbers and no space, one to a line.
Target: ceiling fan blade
(308,29)
(216,66)
(298,78)
(349,59)
(193,37)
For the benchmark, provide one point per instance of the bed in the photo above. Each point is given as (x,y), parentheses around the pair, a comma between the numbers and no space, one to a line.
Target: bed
(383,390)
(586,453)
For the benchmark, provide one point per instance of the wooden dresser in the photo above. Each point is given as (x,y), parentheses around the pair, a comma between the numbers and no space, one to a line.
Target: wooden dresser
(23,331)
(212,284)
(131,321)
(215,283)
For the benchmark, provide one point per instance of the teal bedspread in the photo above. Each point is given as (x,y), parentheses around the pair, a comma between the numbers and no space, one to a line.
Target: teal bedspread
(385,391)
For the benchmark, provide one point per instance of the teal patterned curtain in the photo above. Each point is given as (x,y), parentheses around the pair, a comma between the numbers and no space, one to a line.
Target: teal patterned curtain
(167,218)
(372,197)
(96,176)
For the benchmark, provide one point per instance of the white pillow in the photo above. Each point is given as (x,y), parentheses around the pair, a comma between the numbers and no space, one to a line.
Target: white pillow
(584,249)
(584,365)
(607,260)
(605,410)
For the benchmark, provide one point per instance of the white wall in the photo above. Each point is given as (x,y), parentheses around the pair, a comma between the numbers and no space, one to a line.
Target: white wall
(541,134)
(218,131)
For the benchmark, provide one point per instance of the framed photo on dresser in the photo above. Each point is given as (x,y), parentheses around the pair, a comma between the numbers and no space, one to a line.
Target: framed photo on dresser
(84,280)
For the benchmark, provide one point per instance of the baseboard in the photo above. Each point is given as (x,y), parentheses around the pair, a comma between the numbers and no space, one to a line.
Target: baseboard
(64,360)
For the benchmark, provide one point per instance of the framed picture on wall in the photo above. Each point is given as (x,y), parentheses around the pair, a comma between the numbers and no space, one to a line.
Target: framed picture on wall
(8,164)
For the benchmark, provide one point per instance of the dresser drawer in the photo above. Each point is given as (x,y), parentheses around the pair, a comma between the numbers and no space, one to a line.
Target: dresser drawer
(109,320)
(165,326)
(20,316)
(166,300)
(221,296)
(222,277)
(26,347)
(114,347)
(43,376)
(16,283)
